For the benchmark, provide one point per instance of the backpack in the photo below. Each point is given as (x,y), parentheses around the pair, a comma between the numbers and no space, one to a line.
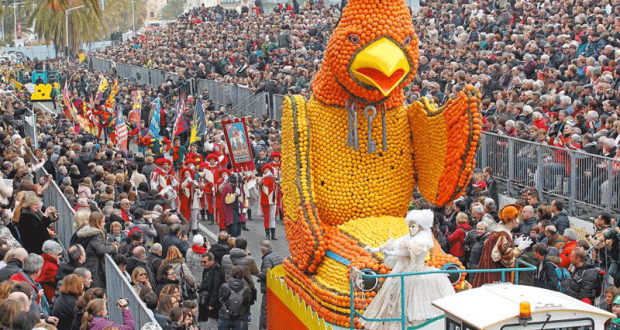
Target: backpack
(234,304)
(600,277)
(563,275)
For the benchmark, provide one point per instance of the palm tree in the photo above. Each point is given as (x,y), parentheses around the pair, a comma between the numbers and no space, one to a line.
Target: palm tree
(118,14)
(172,10)
(85,24)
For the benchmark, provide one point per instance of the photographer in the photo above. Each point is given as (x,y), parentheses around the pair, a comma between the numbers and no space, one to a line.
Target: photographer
(96,316)
(33,224)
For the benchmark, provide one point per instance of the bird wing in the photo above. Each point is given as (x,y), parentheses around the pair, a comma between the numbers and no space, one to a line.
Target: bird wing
(445,141)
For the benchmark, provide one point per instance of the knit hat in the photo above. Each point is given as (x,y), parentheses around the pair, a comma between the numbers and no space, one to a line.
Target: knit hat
(198,240)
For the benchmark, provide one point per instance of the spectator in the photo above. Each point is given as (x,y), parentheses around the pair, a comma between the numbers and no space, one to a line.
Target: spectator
(80,306)
(221,248)
(610,293)
(528,220)
(154,257)
(95,316)
(212,279)
(77,257)
(546,276)
(180,267)
(582,282)
(570,243)
(482,233)
(491,184)
(236,299)
(554,239)
(166,304)
(141,280)
(8,311)
(52,251)
(194,255)
(560,219)
(175,238)
(116,234)
(458,237)
(33,224)
(96,247)
(270,260)
(64,307)
(15,259)
(138,260)
(166,275)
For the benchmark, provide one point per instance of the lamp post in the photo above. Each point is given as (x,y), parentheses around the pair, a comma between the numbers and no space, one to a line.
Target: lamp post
(15,4)
(133,16)
(67,11)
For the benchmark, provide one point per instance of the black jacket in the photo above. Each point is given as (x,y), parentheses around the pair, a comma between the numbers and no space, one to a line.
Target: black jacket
(33,230)
(270,260)
(133,262)
(96,248)
(12,267)
(171,240)
(212,280)
(546,276)
(161,319)
(526,226)
(476,250)
(561,222)
(154,262)
(65,269)
(219,250)
(225,292)
(64,309)
(582,282)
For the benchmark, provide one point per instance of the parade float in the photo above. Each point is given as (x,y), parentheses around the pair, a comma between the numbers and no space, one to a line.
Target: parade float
(352,155)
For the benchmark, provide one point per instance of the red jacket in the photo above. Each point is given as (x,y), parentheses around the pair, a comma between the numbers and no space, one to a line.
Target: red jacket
(457,238)
(567,249)
(21,278)
(48,276)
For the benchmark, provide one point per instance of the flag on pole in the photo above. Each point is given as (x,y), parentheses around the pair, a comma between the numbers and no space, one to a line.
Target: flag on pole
(180,124)
(111,101)
(70,110)
(134,114)
(154,124)
(103,86)
(121,129)
(199,123)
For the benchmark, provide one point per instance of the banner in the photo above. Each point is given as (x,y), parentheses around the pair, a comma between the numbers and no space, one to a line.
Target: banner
(70,110)
(103,86)
(134,114)
(121,129)
(236,136)
(199,123)
(155,120)
(111,101)
(180,125)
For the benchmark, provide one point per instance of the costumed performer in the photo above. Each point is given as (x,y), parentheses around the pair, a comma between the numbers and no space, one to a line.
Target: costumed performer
(268,200)
(500,250)
(406,255)
(164,181)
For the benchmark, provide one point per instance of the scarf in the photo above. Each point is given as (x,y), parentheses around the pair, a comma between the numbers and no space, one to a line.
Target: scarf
(199,249)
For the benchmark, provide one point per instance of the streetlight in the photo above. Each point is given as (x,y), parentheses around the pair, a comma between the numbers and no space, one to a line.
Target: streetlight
(133,16)
(67,11)
(15,4)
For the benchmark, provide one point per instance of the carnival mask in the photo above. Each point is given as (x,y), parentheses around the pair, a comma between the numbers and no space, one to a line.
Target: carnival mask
(414,229)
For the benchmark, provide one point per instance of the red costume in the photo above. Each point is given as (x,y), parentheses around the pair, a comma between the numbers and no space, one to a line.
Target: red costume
(268,198)
(187,189)
(218,197)
(162,179)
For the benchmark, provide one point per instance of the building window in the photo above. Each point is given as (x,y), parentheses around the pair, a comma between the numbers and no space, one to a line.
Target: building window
(152,14)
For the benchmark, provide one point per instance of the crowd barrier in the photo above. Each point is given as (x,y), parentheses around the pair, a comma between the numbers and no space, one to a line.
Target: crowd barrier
(120,287)
(54,197)
(30,126)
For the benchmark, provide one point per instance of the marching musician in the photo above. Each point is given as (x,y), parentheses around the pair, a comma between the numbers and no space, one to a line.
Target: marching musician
(277,174)
(219,185)
(193,154)
(209,175)
(164,181)
(268,200)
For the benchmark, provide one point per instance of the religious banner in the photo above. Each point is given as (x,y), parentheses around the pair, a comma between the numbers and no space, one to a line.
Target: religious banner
(240,150)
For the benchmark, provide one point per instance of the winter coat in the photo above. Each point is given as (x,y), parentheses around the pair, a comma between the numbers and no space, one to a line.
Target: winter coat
(120,239)
(84,191)
(180,265)
(98,323)
(219,251)
(33,230)
(212,280)
(561,222)
(64,310)
(567,249)
(225,291)
(193,261)
(171,240)
(457,239)
(476,250)
(526,226)
(546,277)
(47,279)
(5,193)
(582,282)
(160,318)
(96,249)
(270,260)
(238,257)
(557,241)
(12,267)
(154,261)
(133,262)
(65,269)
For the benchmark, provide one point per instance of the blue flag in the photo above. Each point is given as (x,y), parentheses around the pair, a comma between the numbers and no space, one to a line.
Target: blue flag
(155,120)
(199,125)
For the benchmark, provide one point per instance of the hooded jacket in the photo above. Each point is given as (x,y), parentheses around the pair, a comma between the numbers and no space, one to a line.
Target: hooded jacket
(561,222)
(582,282)
(212,280)
(96,248)
(240,258)
(219,250)
(567,249)
(546,277)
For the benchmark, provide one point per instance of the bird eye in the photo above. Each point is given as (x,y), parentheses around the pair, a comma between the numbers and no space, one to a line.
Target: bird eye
(407,40)
(354,39)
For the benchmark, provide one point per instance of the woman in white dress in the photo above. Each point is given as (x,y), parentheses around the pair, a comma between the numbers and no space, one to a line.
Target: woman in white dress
(406,255)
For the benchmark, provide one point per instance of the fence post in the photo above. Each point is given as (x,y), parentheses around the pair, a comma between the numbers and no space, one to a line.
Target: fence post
(539,170)
(610,187)
(511,163)
(573,180)
(483,150)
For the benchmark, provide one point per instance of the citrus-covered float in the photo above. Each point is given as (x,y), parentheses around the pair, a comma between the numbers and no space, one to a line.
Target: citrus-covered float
(353,153)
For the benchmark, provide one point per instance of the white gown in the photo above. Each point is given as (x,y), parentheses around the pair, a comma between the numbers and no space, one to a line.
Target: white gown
(420,290)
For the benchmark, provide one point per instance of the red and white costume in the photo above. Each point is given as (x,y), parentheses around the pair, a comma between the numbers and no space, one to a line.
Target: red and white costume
(164,181)
(190,193)
(222,177)
(268,196)
(277,174)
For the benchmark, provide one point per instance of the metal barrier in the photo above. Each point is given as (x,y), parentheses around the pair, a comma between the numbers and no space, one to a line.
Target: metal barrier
(123,289)
(403,319)
(54,197)
(277,103)
(30,127)
(586,181)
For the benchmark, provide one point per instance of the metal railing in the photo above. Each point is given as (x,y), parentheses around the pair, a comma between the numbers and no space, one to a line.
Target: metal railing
(30,127)
(54,197)
(123,289)
(403,319)
(586,181)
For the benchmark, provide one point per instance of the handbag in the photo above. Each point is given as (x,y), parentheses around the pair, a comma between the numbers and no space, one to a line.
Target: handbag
(189,292)
(230,198)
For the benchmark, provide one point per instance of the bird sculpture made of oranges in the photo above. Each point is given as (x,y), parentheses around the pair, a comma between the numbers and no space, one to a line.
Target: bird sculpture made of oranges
(353,153)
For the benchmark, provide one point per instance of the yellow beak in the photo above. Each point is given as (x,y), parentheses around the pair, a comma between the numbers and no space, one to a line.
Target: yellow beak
(381,64)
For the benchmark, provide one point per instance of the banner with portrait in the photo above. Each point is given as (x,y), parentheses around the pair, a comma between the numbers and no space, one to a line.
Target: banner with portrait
(236,136)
